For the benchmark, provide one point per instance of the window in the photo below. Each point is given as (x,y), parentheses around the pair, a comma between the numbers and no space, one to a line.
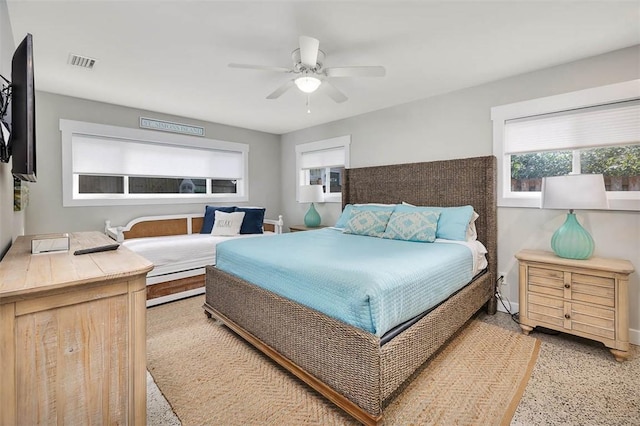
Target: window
(590,131)
(107,165)
(323,163)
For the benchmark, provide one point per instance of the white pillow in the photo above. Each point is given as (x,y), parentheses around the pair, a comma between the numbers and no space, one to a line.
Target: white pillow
(472,234)
(227,224)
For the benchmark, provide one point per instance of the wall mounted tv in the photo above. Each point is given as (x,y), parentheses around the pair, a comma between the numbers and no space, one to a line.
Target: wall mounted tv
(19,139)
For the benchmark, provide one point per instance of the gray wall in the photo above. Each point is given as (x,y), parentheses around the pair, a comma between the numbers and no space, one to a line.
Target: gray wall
(7,215)
(45,212)
(458,125)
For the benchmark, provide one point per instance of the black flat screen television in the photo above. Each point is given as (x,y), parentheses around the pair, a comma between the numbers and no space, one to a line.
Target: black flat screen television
(22,142)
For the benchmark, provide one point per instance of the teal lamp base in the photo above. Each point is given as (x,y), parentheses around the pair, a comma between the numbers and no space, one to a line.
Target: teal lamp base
(312,218)
(571,240)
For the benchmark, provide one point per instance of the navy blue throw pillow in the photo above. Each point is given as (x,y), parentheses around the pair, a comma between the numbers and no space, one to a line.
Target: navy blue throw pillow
(252,222)
(210,217)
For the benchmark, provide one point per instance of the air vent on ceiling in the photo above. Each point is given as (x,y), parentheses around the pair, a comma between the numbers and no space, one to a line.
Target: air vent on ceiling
(81,61)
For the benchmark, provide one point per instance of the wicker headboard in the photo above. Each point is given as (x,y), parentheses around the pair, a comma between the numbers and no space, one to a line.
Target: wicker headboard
(467,181)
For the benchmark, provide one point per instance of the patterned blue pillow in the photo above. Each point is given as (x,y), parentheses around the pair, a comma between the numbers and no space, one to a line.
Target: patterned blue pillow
(453,221)
(365,222)
(417,226)
(346,213)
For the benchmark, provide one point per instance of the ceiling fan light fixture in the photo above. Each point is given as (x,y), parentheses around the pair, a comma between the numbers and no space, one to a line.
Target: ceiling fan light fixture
(308,84)
(308,73)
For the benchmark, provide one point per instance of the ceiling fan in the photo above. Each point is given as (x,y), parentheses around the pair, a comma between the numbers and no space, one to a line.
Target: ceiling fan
(309,73)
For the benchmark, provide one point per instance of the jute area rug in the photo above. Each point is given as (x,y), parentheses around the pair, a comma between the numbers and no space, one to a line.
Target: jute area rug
(210,376)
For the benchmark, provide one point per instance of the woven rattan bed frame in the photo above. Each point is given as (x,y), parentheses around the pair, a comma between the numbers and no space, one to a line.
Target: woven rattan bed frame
(344,363)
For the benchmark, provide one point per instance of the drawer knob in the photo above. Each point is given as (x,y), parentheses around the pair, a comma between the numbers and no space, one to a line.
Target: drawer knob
(567,316)
(567,286)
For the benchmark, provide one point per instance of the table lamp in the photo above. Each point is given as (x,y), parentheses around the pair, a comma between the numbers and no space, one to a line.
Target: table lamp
(311,194)
(571,192)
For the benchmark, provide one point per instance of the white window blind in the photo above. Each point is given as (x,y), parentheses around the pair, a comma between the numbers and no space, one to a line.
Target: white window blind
(324,160)
(603,125)
(138,156)
(98,155)
(333,157)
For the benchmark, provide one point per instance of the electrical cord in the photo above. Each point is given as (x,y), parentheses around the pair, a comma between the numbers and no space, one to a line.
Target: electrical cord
(515,316)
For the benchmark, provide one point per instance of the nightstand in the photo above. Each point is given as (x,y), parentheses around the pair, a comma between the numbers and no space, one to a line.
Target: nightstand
(587,298)
(296,228)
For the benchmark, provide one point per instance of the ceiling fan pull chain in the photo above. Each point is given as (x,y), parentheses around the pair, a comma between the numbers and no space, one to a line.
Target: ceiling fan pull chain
(308,104)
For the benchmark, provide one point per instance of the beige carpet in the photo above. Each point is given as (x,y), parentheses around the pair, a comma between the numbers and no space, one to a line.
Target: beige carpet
(210,376)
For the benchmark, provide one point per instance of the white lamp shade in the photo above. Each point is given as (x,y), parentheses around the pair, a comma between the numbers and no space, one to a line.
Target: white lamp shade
(310,194)
(574,192)
(307,84)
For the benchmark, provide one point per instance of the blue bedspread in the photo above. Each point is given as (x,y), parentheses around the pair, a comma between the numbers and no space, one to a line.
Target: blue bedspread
(368,282)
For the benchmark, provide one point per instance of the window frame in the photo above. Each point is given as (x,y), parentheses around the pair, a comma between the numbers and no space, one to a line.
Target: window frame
(625,91)
(321,145)
(72,198)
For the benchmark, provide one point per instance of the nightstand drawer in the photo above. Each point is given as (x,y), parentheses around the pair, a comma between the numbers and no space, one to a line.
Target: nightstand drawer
(591,289)
(571,315)
(590,319)
(546,281)
(571,285)
(549,310)
(546,275)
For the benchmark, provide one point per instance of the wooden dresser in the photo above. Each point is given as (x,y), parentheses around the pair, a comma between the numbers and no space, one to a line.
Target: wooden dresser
(73,335)
(587,298)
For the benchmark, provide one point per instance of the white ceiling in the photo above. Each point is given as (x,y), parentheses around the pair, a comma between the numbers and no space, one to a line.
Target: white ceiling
(172,56)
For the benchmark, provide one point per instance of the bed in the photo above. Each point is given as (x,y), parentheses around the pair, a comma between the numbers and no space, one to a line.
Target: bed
(356,369)
(178,251)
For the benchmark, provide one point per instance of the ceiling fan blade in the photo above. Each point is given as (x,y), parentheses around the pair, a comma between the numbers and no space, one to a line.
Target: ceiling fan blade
(334,93)
(309,51)
(259,67)
(376,71)
(280,90)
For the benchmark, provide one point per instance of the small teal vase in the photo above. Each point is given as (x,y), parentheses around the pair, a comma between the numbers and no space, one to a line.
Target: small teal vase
(312,218)
(571,240)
